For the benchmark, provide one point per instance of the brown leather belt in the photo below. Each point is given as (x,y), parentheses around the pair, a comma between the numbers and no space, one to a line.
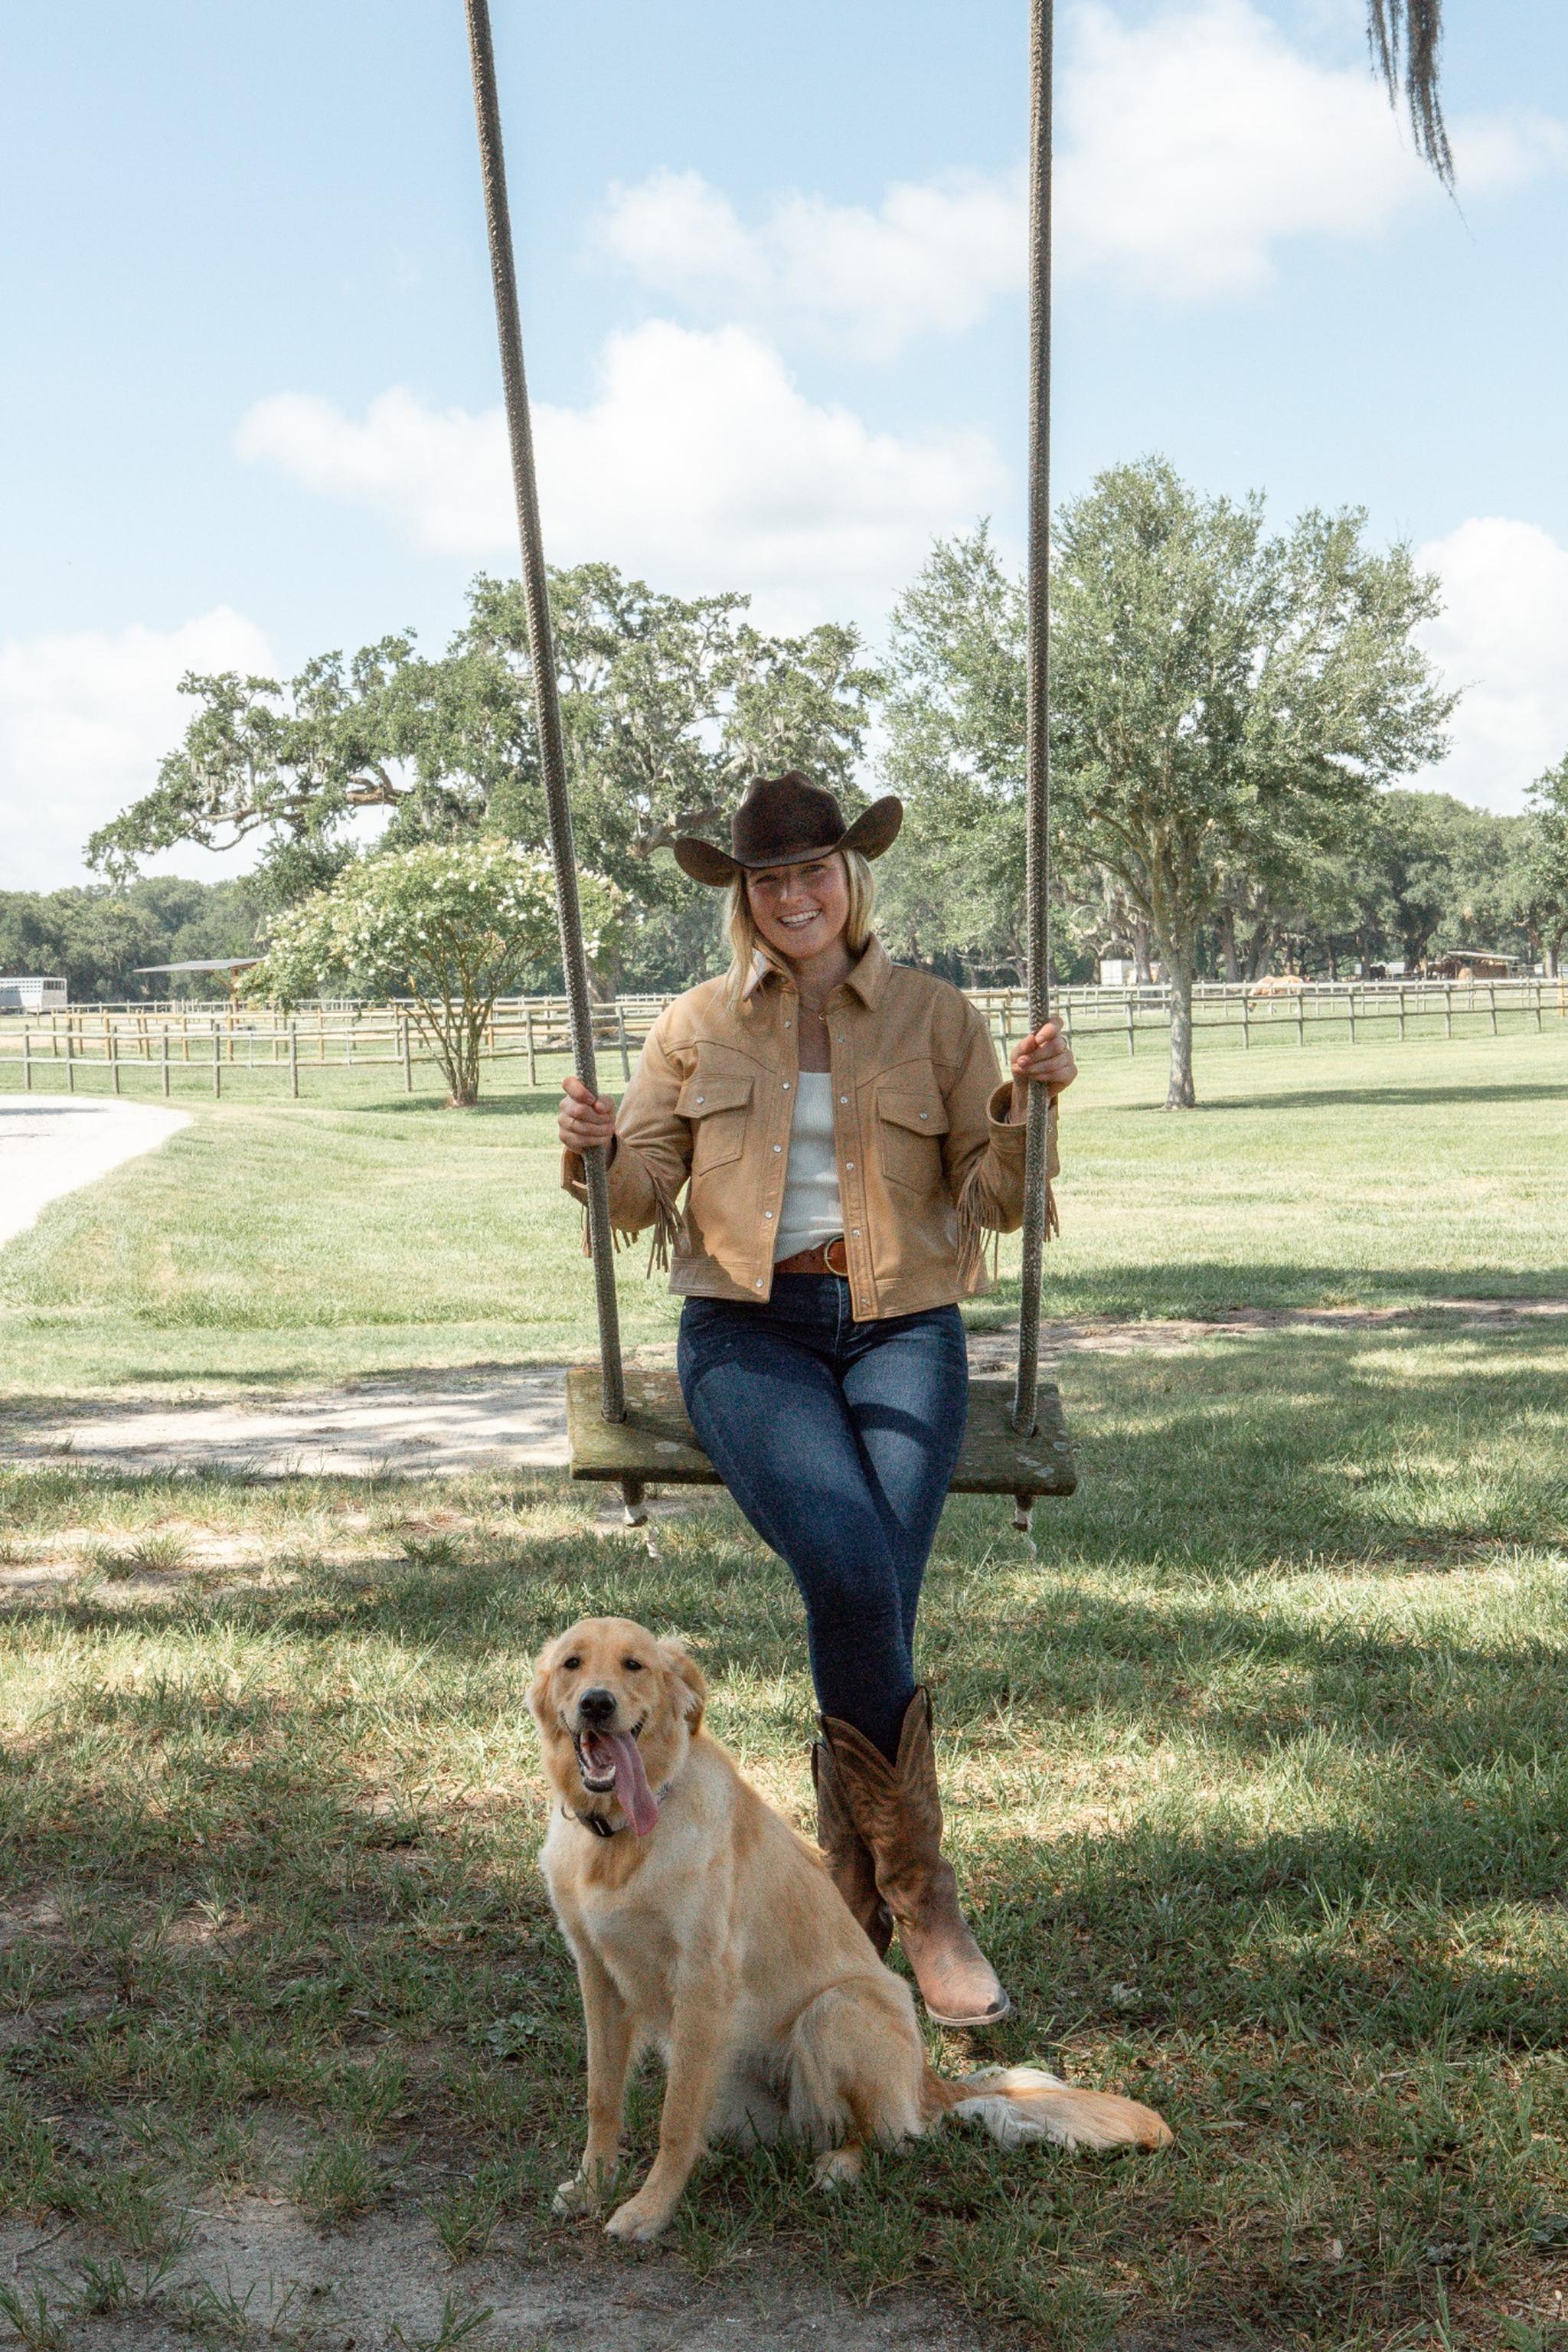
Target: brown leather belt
(827,1257)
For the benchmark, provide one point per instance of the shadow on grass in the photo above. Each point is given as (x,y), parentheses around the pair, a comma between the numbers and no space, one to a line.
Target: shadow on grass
(531,1102)
(1389,1098)
(1151,1290)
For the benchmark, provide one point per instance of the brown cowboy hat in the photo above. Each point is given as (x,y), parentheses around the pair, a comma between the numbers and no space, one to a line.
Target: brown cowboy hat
(783,820)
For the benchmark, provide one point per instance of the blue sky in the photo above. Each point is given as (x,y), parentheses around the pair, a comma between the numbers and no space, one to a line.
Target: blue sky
(770,260)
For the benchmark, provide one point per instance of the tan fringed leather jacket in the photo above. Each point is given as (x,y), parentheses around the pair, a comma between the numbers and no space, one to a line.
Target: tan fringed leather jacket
(928,1161)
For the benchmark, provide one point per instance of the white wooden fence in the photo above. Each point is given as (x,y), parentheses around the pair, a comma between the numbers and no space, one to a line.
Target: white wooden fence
(209,1045)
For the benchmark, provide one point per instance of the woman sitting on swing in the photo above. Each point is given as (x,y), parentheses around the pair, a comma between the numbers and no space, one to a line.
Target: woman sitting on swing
(848,1145)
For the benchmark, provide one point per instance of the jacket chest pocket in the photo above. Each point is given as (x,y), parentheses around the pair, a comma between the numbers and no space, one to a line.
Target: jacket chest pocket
(717,1111)
(911,1123)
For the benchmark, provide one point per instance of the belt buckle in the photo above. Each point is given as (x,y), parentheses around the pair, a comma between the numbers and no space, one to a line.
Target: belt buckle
(839,1264)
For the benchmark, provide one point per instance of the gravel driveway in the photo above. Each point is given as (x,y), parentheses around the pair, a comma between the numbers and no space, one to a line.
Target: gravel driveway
(48,1147)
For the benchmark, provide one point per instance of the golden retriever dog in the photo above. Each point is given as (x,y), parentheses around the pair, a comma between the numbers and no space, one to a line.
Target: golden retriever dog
(702,1924)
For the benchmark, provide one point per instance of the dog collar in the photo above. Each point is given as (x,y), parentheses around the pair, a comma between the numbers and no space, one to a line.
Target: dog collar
(600,1827)
(595,1822)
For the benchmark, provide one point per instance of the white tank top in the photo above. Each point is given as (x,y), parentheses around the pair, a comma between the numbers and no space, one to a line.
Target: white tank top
(810,1212)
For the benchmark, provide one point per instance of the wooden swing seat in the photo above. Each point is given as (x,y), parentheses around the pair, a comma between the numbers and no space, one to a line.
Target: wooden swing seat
(656,1446)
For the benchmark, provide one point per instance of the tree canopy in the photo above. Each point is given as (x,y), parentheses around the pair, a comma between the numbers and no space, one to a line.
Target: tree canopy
(668,703)
(449,925)
(1224,703)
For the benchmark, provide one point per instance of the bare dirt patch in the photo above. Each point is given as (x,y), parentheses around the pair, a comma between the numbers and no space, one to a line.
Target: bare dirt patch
(257,2272)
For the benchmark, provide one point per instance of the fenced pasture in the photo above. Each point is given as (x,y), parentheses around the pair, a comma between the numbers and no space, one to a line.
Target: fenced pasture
(180,1048)
(363,1228)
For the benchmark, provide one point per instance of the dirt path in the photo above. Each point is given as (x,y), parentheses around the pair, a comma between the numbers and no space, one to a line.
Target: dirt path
(255,2272)
(434,1424)
(49,1146)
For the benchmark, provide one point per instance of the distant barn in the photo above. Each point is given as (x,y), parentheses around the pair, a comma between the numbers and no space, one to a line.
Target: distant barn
(21,993)
(1472,963)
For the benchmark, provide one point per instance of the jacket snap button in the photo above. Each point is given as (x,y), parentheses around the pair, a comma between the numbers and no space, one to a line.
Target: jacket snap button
(701,1097)
(842,1098)
(778,1147)
(849,1167)
(767,1213)
(924,1114)
(786,1085)
(759,1284)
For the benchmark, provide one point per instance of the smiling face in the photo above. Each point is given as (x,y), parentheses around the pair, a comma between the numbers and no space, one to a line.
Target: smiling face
(800,910)
(615,1708)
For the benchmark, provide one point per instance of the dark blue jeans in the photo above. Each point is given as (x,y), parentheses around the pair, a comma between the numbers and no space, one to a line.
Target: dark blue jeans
(837,1440)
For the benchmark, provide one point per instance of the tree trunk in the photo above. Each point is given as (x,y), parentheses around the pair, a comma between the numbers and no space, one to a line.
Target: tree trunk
(1227,944)
(1141,971)
(1180,1094)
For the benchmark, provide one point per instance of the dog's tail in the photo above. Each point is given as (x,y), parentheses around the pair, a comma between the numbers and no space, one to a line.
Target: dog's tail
(1019,2104)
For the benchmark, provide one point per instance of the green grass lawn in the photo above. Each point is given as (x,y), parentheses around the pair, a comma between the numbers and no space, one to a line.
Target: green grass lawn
(1258,1777)
(273,1244)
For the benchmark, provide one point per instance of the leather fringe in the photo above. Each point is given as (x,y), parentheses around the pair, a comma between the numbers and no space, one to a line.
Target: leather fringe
(970,1239)
(973,1234)
(665,1232)
(666,1229)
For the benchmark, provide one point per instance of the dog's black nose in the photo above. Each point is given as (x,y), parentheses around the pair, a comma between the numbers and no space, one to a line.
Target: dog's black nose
(597,1706)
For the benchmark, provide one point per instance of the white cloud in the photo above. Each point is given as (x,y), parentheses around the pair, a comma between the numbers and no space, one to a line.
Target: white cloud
(931,257)
(1192,148)
(698,464)
(1503,638)
(1198,142)
(85,717)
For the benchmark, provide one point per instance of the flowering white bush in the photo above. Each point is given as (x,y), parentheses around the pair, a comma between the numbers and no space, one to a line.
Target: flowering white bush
(452,926)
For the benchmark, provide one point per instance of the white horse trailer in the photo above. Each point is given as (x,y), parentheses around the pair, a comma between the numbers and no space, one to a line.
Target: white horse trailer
(22,993)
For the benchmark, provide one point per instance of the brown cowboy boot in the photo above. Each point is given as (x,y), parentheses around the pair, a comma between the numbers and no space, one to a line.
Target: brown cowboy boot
(850,1863)
(898,1813)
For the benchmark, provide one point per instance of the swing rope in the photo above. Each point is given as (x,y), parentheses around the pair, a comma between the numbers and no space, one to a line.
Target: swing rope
(1038,746)
(547,706)
(546,692)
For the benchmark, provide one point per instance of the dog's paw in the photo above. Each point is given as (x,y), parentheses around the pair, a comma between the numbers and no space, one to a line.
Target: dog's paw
(839,2167)
(575,2197)
(638,2221)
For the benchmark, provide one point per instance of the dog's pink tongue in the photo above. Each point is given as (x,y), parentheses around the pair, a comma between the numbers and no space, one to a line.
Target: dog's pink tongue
(634,1796)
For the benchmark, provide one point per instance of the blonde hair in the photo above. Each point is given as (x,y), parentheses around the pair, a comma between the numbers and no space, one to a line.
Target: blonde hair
(747,943)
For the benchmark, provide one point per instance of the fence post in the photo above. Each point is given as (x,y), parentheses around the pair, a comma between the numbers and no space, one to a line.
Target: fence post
(1246,1025)
(1491,993)
(1401,1013)
(407,1059)
(533,1058)
(1131,1033)
(218,1061)
(1540,991)
(621,1041)
(1447,1008)
(111,1047)
(26,1060)
(293,1059)
(71,1064)
(1301,1017)
(163,1059)
(1349,1000)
